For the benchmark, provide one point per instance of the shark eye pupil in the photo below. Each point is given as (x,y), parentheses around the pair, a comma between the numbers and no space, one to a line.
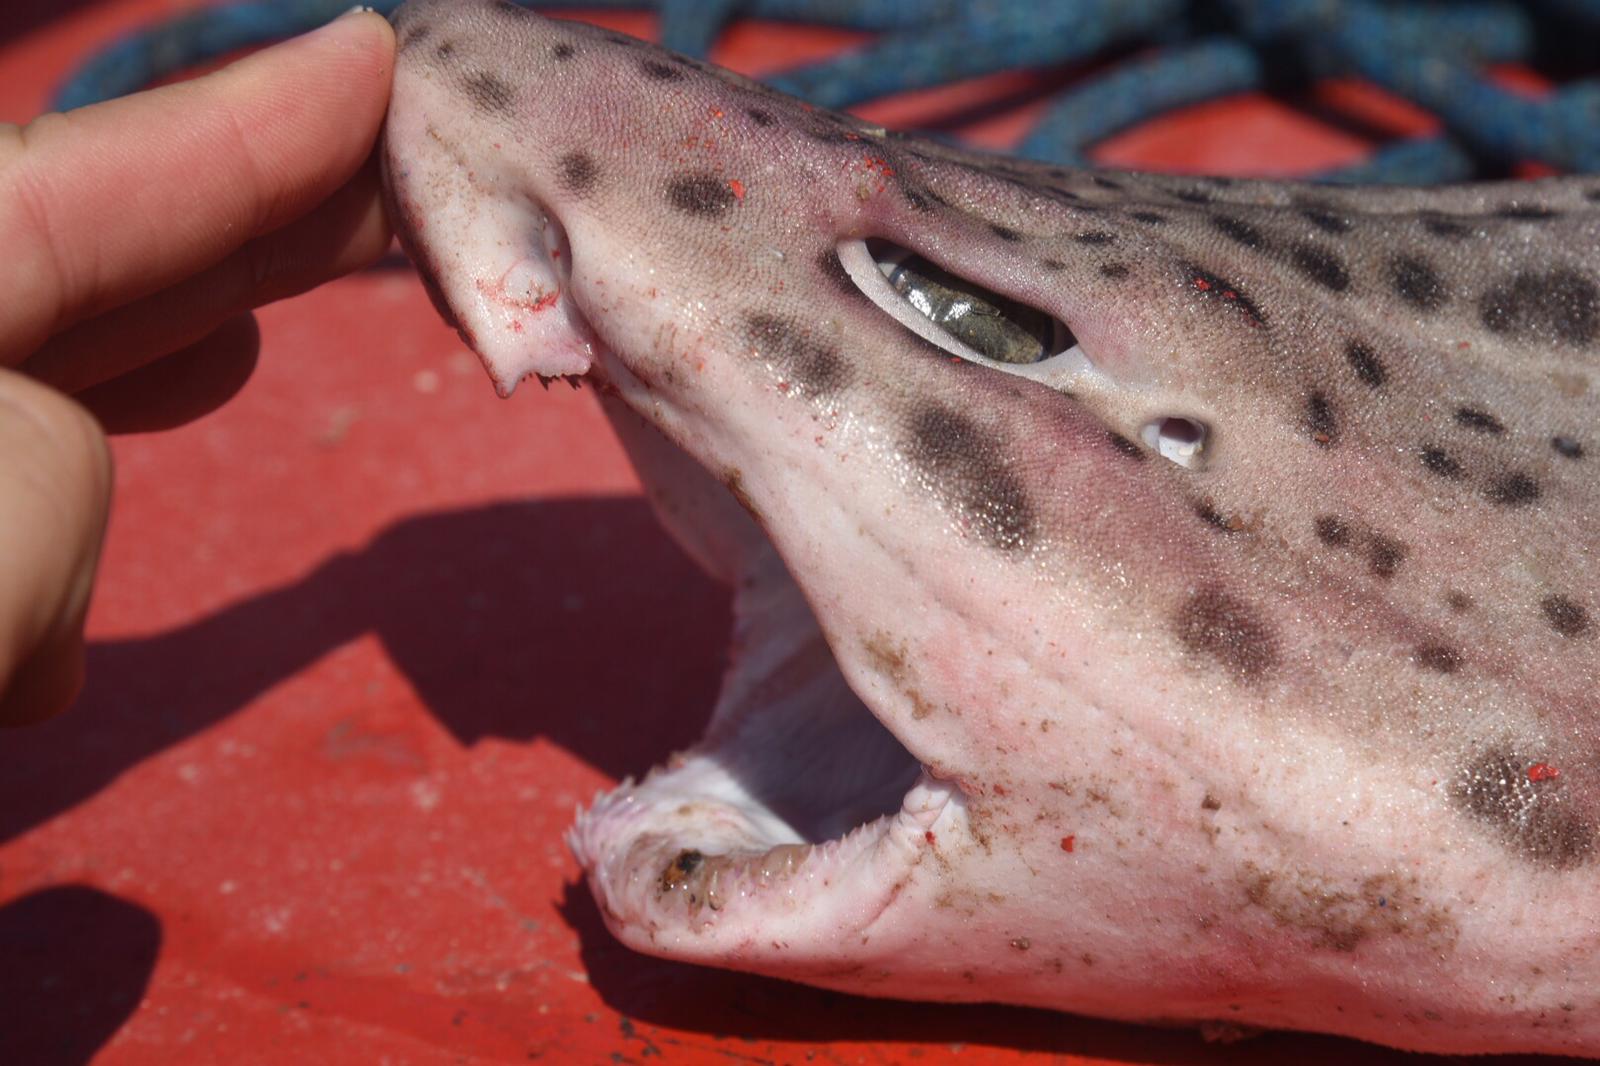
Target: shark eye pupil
(992,325)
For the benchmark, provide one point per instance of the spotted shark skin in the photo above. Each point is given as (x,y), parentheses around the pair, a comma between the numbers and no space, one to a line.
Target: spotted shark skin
(1302,738)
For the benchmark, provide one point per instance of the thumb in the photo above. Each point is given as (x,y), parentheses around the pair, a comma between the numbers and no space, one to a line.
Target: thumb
(55,486)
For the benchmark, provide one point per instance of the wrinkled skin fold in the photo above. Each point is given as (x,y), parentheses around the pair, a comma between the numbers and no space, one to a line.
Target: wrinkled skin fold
(1233,662)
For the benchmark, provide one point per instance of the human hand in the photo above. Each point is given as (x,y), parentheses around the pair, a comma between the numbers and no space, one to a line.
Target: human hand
(138,235)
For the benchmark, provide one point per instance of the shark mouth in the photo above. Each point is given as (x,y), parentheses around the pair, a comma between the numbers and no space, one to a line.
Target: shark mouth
(795,820)
(798,817)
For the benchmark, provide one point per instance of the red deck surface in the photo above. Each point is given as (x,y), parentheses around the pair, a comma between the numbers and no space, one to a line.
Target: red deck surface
(362,641)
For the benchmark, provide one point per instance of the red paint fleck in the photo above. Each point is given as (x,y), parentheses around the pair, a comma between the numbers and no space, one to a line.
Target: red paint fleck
(1541,771)
(737,187)
(999,790)
(716,112)
(1202,284)
(930,838)
(1068,843)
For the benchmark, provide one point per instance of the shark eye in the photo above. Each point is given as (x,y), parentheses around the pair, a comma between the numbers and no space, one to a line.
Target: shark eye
(959,316)
(990,324)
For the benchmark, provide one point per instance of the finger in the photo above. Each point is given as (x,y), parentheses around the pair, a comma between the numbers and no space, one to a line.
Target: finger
(345,233)
(116,201)
(55,486)
(180,387)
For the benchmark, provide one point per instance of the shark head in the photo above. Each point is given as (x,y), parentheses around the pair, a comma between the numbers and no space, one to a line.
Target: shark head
(1157,598)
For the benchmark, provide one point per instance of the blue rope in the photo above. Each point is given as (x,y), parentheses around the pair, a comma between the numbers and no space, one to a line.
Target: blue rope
(1175,77)
(989,35)
(1430,53)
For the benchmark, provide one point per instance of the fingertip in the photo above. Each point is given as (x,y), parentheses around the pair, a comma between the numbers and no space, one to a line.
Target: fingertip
(55,489)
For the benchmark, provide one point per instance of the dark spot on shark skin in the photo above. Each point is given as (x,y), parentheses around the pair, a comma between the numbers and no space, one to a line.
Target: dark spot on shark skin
(563,52)
(814,365)
(1005,233)
(1565,616)
(1214,624)
(577,173)
(760,117)
(506,7)
(444,51)
(1514,489)
(415,35)
(1442,225)
(1105,182)
(963,464)
(1458,601)
(1320,420)
(1114,270)
(1194,196)
(701,195)
(1527,212)
(1321,266)
(1214,288)
(1208,513)
(1438,461)
(1332,530)
(1052,265)
(1440,658)
(1239,231)
(1556,304)
(1095,237)
(1530,811)
(1417,282)
(659,71)
(919,199)
(488,92)
(1150,218)
(1326,220)
(1125,447)
(1365,362)
(1476,419)
(1384,555)
(1567,447)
